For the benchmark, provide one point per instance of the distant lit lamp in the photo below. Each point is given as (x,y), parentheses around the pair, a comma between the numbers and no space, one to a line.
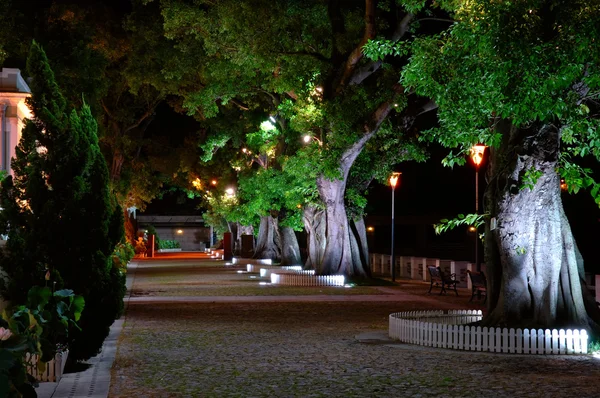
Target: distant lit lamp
(563,185)
(214,182)
(230,192)
(308,138)
(477,152)
(179,231)
(370,229)
(393,182)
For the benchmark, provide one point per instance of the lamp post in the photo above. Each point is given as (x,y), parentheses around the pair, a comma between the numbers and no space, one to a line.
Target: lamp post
(393,182)
(477,156)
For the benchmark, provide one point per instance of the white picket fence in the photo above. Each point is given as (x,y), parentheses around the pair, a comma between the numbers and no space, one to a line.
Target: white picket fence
(54,368)
(448,330)
(306,278)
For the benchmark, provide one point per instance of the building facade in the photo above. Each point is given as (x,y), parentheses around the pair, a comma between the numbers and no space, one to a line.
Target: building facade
(13,109)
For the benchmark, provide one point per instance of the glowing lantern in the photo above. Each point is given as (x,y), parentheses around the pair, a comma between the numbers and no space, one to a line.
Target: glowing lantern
(477,153)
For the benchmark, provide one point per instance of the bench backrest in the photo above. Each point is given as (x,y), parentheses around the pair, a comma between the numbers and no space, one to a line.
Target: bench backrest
(435,273)
(477,279)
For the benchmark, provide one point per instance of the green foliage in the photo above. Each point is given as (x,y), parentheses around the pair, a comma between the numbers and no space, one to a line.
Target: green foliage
(521,251)
(59,204)
(378,49)
(123,253)
(530,178)
(530,63)
(217,221)
(39,327)
(475,220)
(169,244)
(152,231)
(594,347)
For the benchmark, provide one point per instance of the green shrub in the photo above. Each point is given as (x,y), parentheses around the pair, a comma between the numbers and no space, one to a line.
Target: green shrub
(169,244)
(123,253)
(59,212)
(152,231)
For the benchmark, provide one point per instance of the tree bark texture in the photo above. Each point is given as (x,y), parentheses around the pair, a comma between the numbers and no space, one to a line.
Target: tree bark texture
(315,226)
(360,248)
(338,257)
(235,237)
(290,250)
(535,272)
(268,243)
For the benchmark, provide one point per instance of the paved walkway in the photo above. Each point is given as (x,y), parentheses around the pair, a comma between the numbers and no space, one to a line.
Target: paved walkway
(189,332)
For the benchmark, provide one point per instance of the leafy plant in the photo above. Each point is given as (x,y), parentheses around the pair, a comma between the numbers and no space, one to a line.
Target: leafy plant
(140,245)
(169,244)
(41,327)
(123,253)
(530,178)
(594,347)
(152,231)
(444,225)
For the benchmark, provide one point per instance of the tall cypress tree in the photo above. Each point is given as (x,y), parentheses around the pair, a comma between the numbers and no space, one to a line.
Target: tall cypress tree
(59,213)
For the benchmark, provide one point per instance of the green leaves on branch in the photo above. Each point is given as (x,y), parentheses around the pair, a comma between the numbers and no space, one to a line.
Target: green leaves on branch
(576,177)
(378,49)
(530,178)
(444,225)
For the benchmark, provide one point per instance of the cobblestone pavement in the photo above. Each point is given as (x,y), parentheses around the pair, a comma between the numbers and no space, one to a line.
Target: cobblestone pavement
(309,349)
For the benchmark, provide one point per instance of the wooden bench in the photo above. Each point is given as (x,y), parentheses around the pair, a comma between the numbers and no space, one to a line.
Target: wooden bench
(441,280)
(478,285)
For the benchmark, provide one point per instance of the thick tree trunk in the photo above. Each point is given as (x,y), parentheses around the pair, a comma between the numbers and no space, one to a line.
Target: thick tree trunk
(337,258)
(118,159)
(235,240)
(534,269)
(360,248)
(315,226)
(290,250)
(268,244)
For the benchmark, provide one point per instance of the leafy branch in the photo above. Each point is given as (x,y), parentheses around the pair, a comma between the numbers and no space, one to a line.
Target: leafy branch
(444,225)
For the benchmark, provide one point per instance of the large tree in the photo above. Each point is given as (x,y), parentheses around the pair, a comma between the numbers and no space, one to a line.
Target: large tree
(308,57)
(522,77)
(58,211)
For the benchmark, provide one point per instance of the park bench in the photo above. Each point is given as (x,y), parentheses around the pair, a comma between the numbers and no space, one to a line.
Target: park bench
(441,280)
(478,285)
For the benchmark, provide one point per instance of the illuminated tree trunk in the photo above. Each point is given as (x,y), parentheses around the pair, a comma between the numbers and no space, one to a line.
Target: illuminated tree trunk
(268,243)
(315,226)
(290,250)
(360,248)
(337,258)
(535,272)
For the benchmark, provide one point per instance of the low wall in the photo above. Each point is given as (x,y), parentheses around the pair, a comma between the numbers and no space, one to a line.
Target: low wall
(306,278)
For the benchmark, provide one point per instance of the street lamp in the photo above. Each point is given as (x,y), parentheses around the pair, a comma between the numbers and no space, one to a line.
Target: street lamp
(393,182)
(477,156)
